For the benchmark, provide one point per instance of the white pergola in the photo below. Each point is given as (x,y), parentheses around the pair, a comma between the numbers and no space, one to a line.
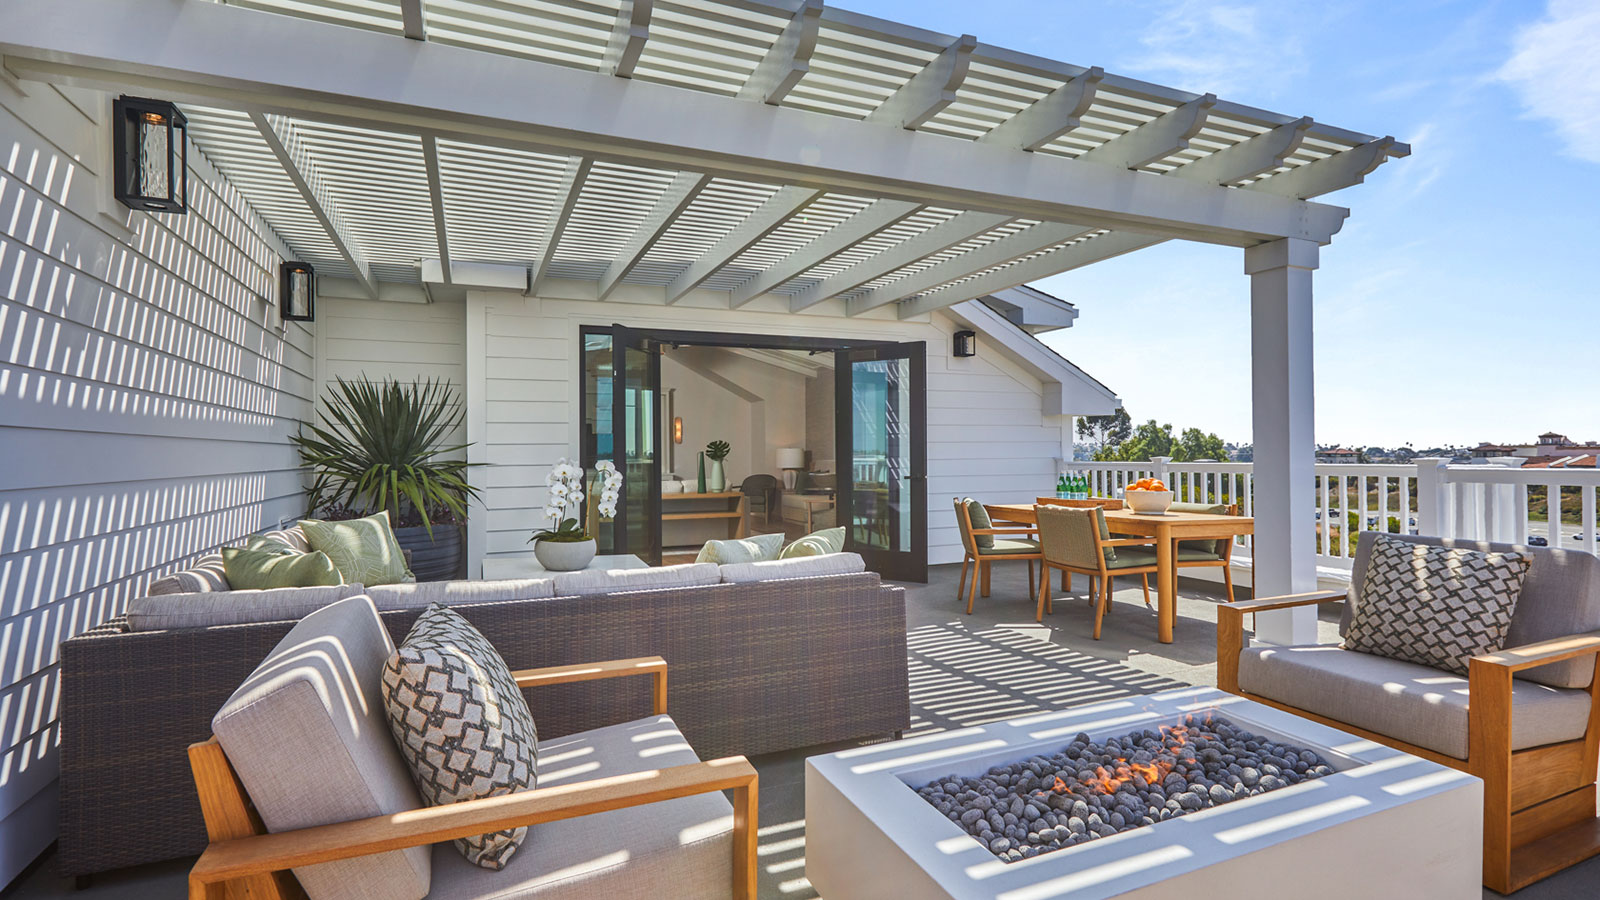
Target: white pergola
(717,153)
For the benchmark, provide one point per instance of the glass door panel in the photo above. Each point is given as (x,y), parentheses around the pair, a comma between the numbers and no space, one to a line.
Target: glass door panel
(881,432)
(636,410)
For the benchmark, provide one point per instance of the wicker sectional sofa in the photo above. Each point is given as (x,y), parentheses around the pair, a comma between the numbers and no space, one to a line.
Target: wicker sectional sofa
(757,666)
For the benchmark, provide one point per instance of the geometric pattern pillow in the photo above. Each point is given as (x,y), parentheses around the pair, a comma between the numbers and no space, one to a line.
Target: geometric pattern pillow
(364,550)
(461,723)
(1437,606)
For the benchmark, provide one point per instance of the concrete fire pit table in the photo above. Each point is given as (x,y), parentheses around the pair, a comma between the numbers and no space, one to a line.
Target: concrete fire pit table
(1384,824)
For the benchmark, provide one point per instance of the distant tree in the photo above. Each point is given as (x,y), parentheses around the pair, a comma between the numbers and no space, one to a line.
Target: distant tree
(1195,444)
(1102,431)
(1148,440)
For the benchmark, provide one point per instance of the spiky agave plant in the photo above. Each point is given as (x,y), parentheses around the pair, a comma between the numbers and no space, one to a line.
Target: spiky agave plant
(380,446)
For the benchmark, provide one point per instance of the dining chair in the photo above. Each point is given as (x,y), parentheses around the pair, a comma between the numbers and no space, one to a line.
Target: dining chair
(761,491)
(986,545)
(1077,540)
(1207,554)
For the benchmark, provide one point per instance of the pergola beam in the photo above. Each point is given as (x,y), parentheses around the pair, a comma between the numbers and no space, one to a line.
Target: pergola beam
(929,91)
(556,225)
(789,58)
(1064,259)
(1049,117)
(1340,170)
(281,138)
(939,238)
(782,206)
(680,192)
(841,237)
(628,37)
(430,158)
(187,52)
(414,20)
(994,253)
(1156,139)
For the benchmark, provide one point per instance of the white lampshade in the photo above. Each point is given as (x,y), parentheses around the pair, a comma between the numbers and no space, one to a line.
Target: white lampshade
(791,458)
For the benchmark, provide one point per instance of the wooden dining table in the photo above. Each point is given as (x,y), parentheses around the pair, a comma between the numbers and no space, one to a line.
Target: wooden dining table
(1167,529)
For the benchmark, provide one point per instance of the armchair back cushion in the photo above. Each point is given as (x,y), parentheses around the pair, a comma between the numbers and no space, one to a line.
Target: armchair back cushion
(978,516)
(1067,535)
(306,733)
(1218,546)
(1437,606)
(1560,597)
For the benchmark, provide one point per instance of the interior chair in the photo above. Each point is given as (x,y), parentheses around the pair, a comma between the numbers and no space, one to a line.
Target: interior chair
(1207,554)
(761,493)
(303,750)
(986,545)
(1526,719)
(1077,540)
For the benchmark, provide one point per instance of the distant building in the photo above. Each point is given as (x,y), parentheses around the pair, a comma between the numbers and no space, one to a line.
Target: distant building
(1338,455)
(1550,446)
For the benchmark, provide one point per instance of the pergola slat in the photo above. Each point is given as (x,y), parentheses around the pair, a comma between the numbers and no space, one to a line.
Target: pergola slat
(1054,262)
(782,206)
(864,224)
(1006,249)
(674,200)
(941,237)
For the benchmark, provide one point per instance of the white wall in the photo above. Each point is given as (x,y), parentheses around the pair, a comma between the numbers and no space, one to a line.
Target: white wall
(147,393)
(987,434)
(715,390)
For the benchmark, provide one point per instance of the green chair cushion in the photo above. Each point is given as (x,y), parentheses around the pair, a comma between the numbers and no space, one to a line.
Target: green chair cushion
(259,570)
(1212,509)
(1199,552)
(1132,558)
(980,520)
(817,543)
(1003,546)
(364,550)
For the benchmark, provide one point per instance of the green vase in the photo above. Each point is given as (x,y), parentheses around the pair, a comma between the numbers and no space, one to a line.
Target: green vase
(700,483)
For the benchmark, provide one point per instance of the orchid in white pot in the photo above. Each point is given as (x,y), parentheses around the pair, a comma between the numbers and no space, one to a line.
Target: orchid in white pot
(567,545)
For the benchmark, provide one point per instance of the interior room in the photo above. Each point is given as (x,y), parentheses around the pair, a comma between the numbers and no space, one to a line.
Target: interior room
(774,408)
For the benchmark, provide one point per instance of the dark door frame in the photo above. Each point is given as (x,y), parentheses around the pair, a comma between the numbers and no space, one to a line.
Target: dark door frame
(908,563)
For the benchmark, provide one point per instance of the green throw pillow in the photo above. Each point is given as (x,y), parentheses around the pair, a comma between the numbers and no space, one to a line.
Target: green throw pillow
(756,548)
(364,550)
(820,543)
(257,570)
(263,544)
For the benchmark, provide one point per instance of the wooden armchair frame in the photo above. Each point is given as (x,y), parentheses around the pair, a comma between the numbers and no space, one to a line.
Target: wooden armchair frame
(244,862)
(1538,804)
(981,561)
(1099,578)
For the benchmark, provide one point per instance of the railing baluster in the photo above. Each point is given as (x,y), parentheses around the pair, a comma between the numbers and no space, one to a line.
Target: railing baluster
(1519,510)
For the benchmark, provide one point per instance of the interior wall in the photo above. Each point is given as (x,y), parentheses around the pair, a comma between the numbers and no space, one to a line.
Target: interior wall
(147,393)
(819,420)
(757,408)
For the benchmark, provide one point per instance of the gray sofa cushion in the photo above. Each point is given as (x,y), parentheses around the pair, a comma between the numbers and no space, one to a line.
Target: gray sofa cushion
(1410,702)
(166,611)
(1560,597)
(799,567)
(420,595)
(674,850)
(307,735)
(612,581)
(206,575)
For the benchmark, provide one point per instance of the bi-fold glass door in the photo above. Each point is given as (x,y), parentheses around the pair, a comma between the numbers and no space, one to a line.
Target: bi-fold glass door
(880,428)
(621,411)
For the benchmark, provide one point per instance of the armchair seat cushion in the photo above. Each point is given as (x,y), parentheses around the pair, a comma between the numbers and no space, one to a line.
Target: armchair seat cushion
(1007,546)
(1132,558)
(1410,702)
(674,849)
(1197,553)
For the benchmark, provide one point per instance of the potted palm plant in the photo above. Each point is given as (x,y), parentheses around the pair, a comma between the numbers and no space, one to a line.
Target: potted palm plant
(386,446)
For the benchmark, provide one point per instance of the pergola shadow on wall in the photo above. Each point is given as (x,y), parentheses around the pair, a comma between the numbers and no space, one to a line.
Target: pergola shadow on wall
(775,154)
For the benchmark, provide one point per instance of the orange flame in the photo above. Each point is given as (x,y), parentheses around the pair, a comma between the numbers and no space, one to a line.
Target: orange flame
(1122,771)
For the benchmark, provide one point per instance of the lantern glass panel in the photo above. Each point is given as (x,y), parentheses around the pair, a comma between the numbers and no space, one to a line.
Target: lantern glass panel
(299,299)
(154,138)
(180,163)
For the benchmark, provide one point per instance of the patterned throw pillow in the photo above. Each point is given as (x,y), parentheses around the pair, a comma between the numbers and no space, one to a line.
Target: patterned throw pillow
(756,548)
(267,569)
(1437,606)
(461,723)
(363,550)
(817,543)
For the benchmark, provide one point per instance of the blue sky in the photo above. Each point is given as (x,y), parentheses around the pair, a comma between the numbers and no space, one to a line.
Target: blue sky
(1458,304)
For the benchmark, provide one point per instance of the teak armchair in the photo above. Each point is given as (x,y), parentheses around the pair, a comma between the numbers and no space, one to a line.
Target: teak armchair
(1208,554)
(1020,546)
(244,861)
(1538,803)
(1074,540)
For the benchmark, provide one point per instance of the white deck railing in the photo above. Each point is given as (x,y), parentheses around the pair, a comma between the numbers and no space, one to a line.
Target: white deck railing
(1428,496)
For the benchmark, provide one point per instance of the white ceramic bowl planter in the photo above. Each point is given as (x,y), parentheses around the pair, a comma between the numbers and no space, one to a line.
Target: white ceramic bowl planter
(1148,503)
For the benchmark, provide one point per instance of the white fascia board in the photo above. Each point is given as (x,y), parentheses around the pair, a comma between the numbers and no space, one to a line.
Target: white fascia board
(488,276)
(1068,390)
(1033,310)
(190,52)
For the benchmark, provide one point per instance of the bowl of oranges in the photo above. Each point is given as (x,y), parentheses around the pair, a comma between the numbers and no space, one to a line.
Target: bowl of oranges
(1148,497)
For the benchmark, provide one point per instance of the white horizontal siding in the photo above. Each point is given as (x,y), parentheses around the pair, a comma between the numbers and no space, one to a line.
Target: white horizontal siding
(147,392)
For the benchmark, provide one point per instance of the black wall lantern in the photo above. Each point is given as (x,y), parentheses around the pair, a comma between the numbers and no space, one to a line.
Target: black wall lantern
(152,171)
(297,283)
(966,343)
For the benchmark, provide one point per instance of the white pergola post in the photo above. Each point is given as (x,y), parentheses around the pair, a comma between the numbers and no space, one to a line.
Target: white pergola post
(1282,418)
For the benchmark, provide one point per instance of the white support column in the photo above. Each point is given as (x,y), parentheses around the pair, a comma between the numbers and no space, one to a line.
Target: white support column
(1282,414)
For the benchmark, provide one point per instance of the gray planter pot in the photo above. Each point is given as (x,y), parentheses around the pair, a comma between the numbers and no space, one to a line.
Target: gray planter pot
(564,556)
(436,558)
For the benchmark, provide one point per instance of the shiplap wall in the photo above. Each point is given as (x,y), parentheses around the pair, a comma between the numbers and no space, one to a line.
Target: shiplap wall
(146,394)
(987,434)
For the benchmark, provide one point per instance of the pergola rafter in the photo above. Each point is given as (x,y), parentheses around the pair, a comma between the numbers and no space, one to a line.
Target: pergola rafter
(931,90)
(1049,117)
(414,20)
(941,237)
(577,170)
(864,224)
(674,200)
(430,156)
(789,58)
(628,37)
(782,206)
(1004,250)
(1054,262)
(1155,140)
(280,136)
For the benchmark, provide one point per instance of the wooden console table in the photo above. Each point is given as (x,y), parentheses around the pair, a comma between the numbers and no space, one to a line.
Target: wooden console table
(736,515)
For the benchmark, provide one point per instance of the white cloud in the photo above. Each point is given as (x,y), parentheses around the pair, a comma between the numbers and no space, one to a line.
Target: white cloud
(1555,68)
(1225,48)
